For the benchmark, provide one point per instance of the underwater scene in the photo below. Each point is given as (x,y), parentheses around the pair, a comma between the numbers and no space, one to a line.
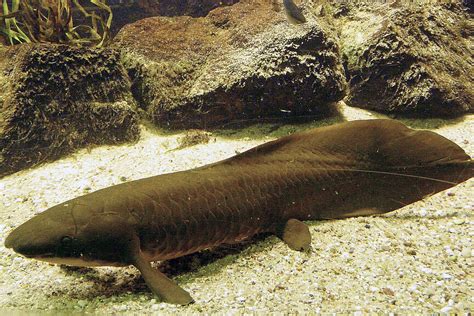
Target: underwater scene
(236,156)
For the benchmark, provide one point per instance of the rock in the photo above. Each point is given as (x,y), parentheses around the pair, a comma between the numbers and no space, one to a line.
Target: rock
(134,10)
(123,178)
(388,291)
(242,62)
(194,137)
(194,8)
(57,98)
(410,60)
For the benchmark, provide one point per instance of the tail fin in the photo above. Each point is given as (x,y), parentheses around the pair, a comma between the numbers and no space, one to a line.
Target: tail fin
(401,165)
(367,167)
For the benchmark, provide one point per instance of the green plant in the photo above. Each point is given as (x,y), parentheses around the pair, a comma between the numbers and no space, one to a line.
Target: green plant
(54,21)
(9,27)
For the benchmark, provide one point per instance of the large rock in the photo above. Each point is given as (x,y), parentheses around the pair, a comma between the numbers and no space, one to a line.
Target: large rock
(193,8)
(408,59)
(134,10)
(238,63)
(56,98)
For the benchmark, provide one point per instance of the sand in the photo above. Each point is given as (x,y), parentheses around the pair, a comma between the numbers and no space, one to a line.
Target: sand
(416,259)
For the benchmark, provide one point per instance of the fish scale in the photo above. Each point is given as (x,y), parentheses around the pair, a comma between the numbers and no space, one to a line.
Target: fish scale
(247,210)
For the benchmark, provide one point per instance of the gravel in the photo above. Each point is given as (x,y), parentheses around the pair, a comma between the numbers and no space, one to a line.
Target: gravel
(417,259)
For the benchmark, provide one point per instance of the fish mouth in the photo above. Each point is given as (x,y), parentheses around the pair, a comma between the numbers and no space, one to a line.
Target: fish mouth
(80,261)
(27,253)
(38,257)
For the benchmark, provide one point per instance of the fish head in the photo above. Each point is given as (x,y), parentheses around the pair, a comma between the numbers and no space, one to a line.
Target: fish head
(73,234)
(44,235)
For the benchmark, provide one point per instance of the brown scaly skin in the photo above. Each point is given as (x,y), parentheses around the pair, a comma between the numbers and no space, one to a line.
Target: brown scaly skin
(350,169)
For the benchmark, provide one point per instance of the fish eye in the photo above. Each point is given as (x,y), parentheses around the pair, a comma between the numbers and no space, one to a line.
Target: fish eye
(66,240)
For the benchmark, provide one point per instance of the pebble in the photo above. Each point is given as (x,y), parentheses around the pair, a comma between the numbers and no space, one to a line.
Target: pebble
(83,183)
(388,291)
(81,303)
(241,299)
(121,308)
(430,291)
(426,270)
(458,221)
(466,252)
(384,247)
(446,309)
(449,251)
(446,276)
(345,256)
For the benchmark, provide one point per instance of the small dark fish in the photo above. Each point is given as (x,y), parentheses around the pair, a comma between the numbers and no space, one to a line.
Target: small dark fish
(350,169)
(293,12)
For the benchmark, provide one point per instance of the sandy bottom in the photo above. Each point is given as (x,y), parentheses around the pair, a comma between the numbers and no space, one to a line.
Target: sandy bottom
(417,259)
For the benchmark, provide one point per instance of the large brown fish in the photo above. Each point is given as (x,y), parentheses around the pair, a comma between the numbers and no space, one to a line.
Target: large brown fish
(350,169)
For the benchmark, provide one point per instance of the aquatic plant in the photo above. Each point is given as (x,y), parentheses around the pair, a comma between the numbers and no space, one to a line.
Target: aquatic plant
(9,27)
(54,21)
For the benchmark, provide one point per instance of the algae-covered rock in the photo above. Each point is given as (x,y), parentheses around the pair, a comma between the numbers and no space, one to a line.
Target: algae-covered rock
(241,62)
(193,8)
(134,10)
(408,59)
(56,98)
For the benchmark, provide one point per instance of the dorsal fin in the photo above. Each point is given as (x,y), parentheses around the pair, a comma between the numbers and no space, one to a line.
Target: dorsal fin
(384,143)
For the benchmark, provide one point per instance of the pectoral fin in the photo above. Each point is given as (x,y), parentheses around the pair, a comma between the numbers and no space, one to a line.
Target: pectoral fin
(295,234)
(161,285)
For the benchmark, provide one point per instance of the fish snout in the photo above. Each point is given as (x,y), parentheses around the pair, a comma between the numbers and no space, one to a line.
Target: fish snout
(18,243)
(37,237)
(9,242)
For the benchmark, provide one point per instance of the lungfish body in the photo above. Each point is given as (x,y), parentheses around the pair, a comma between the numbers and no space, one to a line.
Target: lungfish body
(350,169)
